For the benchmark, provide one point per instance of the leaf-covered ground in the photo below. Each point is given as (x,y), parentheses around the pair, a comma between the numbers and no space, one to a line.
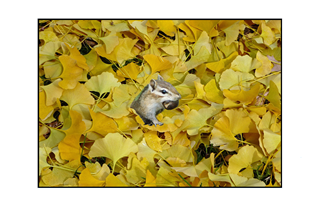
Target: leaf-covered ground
(225,132)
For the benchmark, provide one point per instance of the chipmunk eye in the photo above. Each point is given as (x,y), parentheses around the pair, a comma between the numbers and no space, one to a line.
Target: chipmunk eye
(164,91)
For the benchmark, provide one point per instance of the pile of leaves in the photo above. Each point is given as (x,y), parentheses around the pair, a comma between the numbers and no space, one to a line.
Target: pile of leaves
(225,132)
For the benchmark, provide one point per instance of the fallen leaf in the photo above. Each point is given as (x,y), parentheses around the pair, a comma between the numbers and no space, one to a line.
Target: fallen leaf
(157,63)
(137,170)
(43,154)
(242,96)
(87,180)
(113,146)
(231,79)
(273,95)
(153,140)
(267,34)
(44,110)
(113,181)
(102,83)
(150,180)
(71,73)
(77,95)
(265,67)
(53,92)
(271,140)
(245,157)
(213,93)
(102,124)
(167,26)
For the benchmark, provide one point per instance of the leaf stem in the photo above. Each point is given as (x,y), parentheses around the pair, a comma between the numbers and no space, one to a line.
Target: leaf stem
(64,168)
(185,180)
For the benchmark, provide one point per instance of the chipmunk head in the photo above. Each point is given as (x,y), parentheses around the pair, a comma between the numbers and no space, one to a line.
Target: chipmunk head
(165,93)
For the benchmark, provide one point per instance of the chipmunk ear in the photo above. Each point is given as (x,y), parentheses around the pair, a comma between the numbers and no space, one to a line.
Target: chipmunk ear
(153,84)
(160,78)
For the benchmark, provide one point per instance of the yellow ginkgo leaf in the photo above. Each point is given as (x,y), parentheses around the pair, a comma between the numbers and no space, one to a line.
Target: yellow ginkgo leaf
(53,92)
(56,177)
(274,96)
(242,63)
(267,34)
(102,124)
(176,48)
(48,36)
(44,110)
(205,25)
(94,168)
(102,83)
(203,40)
(71,74)
(120,94)
(113,146)
(220,178)
(190,37)
(181,139)
(265,67)
(101,67)
(52,69)
(239,121)
(113,181)
(231,79)
(167,26)
(97,171)
(271,140)
(153,140)
(89,24)
(48,51)
(200,90)
(114,25)
(92,59)
(76,55)
(216,66)
(69,147)
(231,29)
(129,71)
(235,122)
(178,151)
(127,123)
(87,180)
(110,41)
(43,154)
(213,93)
(195,170)
(242,96)
(165,178)
(55,137)
(115,111)
(265,121)
(201,57)
(136,170)
(157,63)
(144,151)
(222,64)
(246,182)
(197,119)
(222,136)
(124,50)
(245,157)
(150,180)
(79,94)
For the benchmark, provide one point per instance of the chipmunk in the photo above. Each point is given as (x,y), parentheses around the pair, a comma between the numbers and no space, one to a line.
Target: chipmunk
(153,99)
